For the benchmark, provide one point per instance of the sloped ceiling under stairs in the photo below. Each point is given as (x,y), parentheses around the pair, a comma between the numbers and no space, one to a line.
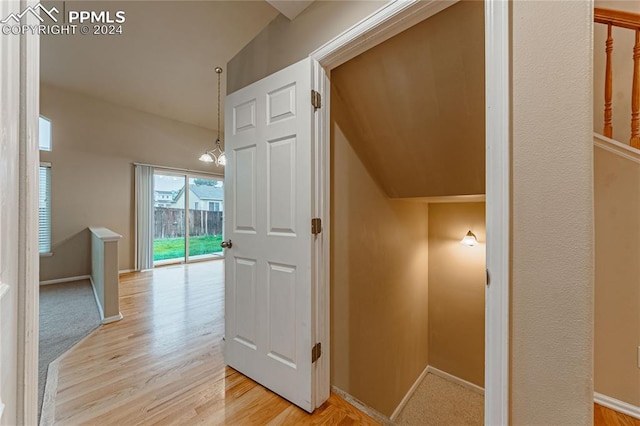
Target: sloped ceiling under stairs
(413,106)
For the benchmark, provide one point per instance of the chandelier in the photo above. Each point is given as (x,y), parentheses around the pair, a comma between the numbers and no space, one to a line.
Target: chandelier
(216,155)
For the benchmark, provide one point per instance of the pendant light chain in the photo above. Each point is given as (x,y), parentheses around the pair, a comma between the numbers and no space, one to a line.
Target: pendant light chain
(216,155)
(219,71)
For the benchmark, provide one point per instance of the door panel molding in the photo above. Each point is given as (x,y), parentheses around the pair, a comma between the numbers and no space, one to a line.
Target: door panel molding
(269,177)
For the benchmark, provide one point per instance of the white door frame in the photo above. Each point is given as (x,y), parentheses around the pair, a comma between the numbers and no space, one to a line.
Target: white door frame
(393,18)
(28,191)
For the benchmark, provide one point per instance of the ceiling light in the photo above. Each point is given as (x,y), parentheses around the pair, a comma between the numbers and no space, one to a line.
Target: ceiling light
(216,155)
(206,157)
(469,239)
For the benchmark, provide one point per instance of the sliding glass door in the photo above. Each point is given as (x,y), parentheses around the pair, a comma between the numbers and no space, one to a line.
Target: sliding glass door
(205,217)
(169,242)
(188,213)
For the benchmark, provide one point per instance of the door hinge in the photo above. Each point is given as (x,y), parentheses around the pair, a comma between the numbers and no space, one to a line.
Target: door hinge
(316,100)
(316,225)
(316,352)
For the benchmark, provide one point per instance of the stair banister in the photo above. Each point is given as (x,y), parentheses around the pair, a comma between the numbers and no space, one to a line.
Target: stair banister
(617,18)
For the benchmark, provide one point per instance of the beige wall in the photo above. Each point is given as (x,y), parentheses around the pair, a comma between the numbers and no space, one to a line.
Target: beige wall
(617,300)
(285,42)
(622,66)
(94,146)
(617,224)
(552,213)
(379,255)
(456,290)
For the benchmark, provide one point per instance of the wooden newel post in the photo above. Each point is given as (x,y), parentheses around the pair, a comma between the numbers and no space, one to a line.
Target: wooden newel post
(608,86)
(635,95)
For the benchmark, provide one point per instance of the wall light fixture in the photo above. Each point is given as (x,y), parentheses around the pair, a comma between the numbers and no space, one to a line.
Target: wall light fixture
(469,239)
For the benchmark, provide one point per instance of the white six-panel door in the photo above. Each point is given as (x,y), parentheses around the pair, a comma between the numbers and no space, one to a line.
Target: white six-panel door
(268,186)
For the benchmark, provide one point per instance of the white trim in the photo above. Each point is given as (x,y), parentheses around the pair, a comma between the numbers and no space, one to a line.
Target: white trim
(104,320)
(498,177)
(4,288)
(47,254)
(391,19)
(28,247)
(321,242)
(409,394)
(455,379)
(114,318)
(125,271)
(104,234)
(374,414)
(66,280)
(95,294)
(617,405)
(621,149)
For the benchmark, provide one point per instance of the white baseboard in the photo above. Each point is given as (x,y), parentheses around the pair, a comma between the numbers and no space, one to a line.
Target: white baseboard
(79,277)
(413,388)
(66,280)
(113,318)
(102,318)
(95,294)
(456,380)
(617,405)
(374,414)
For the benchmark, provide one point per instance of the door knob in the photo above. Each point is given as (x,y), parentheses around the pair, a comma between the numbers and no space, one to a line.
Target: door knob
(226,244)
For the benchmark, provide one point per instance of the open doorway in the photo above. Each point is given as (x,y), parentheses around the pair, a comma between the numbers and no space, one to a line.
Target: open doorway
(407,184)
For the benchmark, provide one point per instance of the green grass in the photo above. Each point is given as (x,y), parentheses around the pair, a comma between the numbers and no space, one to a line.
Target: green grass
(172,248)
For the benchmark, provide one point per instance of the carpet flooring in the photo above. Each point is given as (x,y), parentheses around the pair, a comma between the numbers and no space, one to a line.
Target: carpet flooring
(68,312)
(439,402)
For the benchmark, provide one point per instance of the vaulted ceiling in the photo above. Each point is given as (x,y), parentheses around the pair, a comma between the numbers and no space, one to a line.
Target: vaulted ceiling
(413,106)
(164,61)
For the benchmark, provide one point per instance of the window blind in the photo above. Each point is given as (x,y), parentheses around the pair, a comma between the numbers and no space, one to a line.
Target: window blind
(44,210)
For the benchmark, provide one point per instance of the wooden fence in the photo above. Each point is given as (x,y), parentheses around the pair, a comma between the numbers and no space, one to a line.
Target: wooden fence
(169,223)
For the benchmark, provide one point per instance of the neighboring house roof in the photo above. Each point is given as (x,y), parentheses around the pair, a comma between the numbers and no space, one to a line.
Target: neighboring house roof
(206,192)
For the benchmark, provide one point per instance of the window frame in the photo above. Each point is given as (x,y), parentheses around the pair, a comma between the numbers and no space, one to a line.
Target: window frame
(48,148)
(48,251)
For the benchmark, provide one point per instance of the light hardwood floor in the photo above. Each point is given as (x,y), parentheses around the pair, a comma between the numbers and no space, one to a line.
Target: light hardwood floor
(162,364)
(603,416)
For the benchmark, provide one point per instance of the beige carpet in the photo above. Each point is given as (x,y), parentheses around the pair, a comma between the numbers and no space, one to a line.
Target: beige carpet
(68,312)
(440,402)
